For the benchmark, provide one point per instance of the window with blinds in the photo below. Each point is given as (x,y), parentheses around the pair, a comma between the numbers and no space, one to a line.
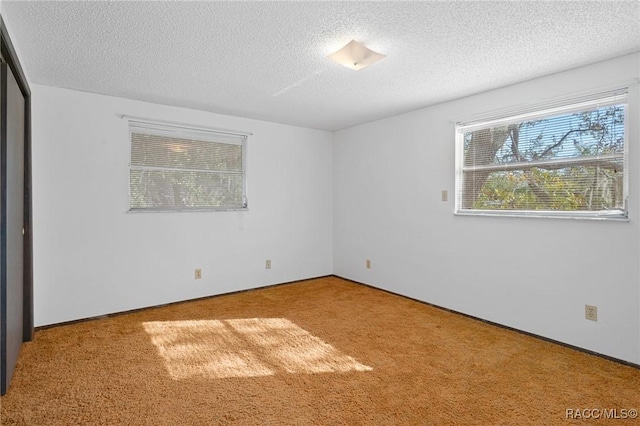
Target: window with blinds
(180,168)
(563,160)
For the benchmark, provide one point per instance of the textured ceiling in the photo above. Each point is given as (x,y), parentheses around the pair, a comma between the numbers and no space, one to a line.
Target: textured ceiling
(266,60)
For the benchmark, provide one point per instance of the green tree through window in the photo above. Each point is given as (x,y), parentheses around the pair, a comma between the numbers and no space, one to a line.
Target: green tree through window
(570,161)
(174,169)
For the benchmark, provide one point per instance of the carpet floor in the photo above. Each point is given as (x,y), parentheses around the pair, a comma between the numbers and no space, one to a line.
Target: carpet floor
(324,351)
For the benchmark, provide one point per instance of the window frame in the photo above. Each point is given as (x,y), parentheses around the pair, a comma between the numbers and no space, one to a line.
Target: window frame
(182,130)
(619,96)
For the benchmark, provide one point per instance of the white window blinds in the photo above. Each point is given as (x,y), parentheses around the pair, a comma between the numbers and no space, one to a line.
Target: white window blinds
(569,160)
(180,168)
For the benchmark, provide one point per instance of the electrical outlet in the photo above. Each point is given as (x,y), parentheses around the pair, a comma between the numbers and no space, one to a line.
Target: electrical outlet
(444,195)
(267,264)
(591,312)
(198,274)
(368,264)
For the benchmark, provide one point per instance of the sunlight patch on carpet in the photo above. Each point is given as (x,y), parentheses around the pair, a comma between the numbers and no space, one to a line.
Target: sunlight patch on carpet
(248,347)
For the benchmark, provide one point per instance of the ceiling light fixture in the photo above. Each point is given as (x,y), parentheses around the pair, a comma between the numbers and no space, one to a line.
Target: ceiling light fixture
(355,56)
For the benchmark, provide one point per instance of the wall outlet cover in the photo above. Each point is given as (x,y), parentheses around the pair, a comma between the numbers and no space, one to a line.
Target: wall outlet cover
(591,312)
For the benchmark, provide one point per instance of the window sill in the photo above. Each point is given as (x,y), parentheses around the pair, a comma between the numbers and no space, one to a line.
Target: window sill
(545,214)
(187,210)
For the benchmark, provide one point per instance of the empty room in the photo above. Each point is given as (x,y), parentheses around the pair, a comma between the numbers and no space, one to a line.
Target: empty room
(320,212)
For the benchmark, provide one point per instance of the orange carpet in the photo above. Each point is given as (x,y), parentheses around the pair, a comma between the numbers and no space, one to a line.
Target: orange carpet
(321,352)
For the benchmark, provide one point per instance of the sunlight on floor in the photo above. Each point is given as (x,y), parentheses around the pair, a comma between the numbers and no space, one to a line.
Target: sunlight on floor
(249,347)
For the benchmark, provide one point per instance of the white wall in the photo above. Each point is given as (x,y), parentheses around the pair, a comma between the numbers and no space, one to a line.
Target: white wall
(91,257)
(532,274)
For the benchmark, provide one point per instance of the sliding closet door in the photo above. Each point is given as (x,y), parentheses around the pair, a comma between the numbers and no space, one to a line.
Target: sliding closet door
(12,225)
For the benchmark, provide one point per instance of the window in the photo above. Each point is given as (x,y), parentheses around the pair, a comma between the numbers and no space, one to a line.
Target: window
(565,160)
(179,168)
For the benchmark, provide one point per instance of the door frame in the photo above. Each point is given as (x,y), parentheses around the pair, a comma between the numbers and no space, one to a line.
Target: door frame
(11,58)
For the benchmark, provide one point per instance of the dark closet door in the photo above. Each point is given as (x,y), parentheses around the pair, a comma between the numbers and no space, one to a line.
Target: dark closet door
(12,224)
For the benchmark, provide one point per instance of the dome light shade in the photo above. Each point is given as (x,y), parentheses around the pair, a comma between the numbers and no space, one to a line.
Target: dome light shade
(355,56)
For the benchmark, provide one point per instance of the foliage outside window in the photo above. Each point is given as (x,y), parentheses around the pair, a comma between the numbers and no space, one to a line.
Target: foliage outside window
(567,161)
(178,168)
